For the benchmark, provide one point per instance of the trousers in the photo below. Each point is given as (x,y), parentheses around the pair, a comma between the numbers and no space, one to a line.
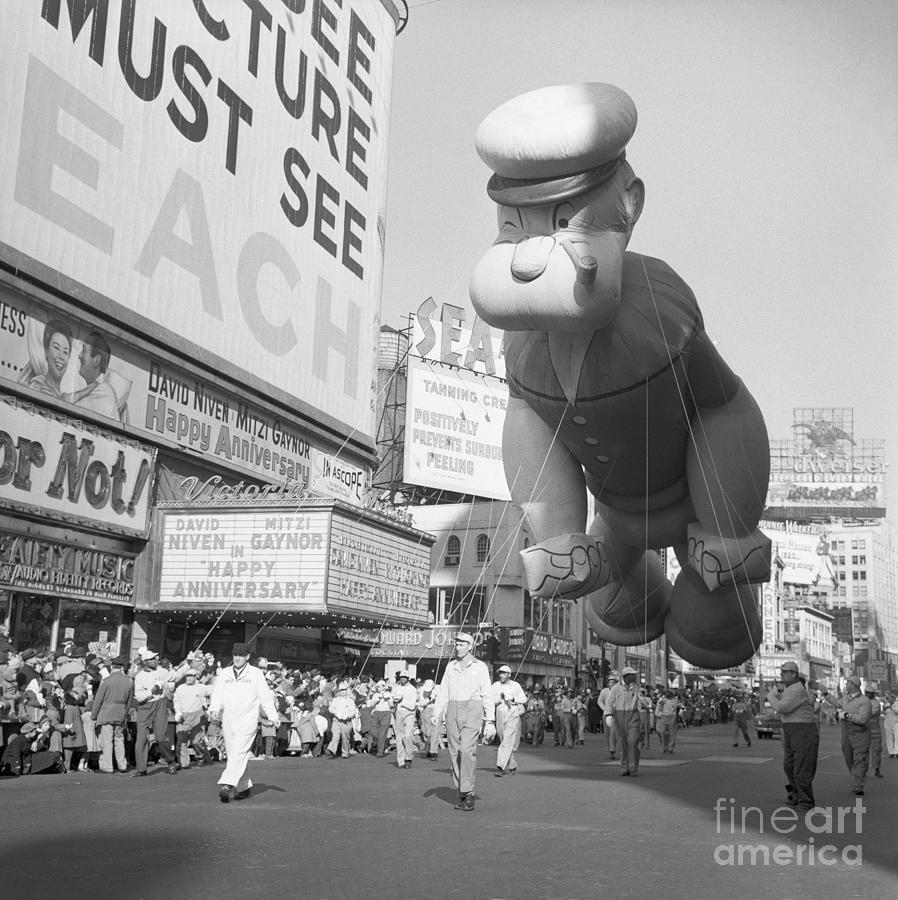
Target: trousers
(112,739)
(404,726)
(152,717)
(668,726)
(856,752)
(464,722)
(628,725)
(340,731)
(510,734)
(801,743)
(875,748)
(380,728)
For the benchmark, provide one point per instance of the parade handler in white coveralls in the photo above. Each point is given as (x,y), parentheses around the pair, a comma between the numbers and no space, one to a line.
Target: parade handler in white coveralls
(510,702)
(239,694)
(465,696)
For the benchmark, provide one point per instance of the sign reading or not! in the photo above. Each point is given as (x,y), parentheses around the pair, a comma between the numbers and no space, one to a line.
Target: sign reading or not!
(216,170)
(72,474)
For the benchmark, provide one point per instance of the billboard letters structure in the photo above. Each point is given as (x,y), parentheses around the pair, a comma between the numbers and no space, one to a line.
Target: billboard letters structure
(71,473)
(210,174)
(321,557)
(824,470)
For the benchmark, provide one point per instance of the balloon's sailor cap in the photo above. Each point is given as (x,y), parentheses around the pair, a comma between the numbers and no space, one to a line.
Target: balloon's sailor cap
(555,142)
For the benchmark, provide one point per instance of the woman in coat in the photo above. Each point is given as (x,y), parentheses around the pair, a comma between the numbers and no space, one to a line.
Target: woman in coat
(74,744)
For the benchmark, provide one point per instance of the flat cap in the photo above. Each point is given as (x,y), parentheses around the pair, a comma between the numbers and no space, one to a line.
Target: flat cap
(555,142)
(854,679)
(789,666)
(464,637)
(505,669)
(628,670)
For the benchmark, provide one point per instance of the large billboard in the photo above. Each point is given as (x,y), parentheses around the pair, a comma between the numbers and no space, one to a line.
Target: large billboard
(72,473)
(453,430)
(823,470)
(49,354)
(212,174)
(803,550)
(313,558)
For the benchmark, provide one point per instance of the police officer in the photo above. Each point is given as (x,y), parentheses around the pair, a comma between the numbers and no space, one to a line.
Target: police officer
(623,710)
(856,712)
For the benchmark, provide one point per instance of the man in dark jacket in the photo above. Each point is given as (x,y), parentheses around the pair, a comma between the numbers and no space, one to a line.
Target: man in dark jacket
(112,702)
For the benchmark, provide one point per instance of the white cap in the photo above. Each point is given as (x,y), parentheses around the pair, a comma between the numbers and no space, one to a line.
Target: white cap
(464,637)
(145,653)
(505,669)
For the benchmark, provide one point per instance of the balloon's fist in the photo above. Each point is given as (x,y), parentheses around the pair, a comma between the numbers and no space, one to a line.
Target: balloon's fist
(567,565)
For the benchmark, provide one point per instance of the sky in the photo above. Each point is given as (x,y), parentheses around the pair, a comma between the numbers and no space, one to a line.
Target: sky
(768,144)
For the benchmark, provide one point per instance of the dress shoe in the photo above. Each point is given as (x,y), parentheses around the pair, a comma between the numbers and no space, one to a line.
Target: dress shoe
(138,774)
(465,802)
(878,774)
(499,772)
(244,795)
(173,768)
(512,771)
(408,764)
(227,793)
(625,772)
(858,792)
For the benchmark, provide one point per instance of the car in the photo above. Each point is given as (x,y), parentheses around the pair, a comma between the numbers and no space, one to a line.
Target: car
(768,724)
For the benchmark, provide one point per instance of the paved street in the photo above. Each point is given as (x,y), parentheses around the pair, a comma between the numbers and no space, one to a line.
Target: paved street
(566,826)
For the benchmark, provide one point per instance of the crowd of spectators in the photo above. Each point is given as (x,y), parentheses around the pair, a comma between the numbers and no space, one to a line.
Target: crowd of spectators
(49,712)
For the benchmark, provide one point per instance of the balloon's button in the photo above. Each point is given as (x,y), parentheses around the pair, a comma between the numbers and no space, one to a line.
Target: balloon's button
(579,420)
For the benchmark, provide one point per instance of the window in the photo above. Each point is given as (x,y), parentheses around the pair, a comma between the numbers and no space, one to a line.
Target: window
(453,551)
(483,548)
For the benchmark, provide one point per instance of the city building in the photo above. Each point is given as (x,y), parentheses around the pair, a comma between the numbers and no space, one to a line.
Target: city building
(164,360)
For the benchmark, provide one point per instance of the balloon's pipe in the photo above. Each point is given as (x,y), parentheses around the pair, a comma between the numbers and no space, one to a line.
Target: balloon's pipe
(586,266)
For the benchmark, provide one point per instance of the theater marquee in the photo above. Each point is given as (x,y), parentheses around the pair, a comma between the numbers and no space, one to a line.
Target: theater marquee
(322,557)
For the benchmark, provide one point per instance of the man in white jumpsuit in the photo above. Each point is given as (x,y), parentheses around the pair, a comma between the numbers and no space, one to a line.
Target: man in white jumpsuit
(239,693)
(510,702)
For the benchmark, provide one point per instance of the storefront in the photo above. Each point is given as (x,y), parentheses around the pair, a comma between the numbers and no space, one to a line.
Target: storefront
(537,657)
(75,506)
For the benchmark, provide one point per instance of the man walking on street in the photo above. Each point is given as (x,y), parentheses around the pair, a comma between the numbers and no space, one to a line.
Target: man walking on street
(623,711)
(112,703)
(741,713)
(610,734)
(856,712)
(801,735)
(666,714)
(509,701)
(465,697)
(405,700)
(152,711)
(239,694)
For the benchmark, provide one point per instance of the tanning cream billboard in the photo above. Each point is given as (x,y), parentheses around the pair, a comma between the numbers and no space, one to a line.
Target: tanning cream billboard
(212,174)
(453,430)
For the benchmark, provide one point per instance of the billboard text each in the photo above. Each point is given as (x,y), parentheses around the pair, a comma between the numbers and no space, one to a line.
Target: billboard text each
(216,171)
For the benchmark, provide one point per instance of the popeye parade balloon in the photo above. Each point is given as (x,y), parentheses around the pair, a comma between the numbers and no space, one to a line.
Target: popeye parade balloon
(616,389)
